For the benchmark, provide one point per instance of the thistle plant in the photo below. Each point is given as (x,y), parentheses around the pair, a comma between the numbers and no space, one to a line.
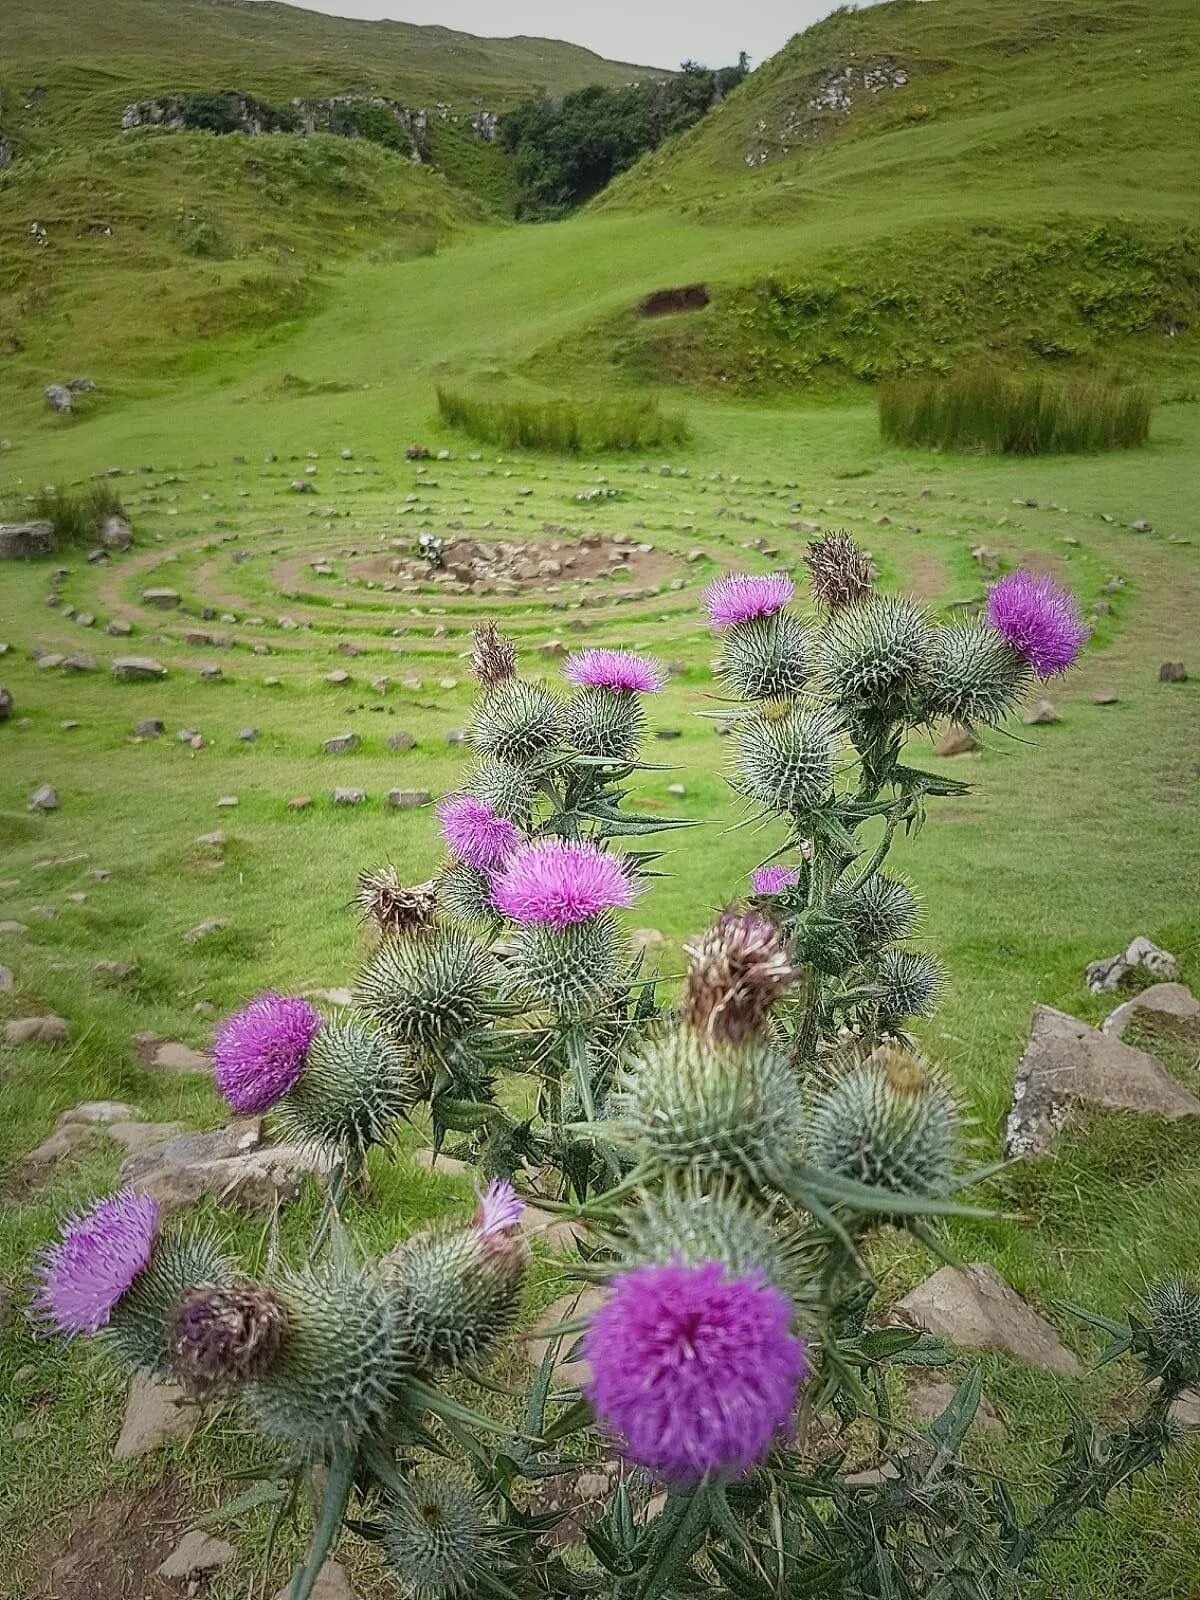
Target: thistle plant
(730,1158)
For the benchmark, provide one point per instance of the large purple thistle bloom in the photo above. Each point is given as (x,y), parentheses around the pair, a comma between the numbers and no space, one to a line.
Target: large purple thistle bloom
(694,1371)
(740,597)
(1039,619)
(475,832)
(79,1280)
(773,880)
(559,884)
(260,1053)
(618,670)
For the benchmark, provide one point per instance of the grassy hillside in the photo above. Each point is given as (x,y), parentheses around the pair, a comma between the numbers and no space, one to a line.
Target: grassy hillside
(1012,178)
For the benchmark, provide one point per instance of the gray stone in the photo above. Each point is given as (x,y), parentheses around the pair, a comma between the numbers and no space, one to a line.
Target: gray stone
(119,628)
(36,1030)
(569,1369)
(192,1167)
(115,971)
(115,533)
(349,797)
(1113,971)
(154,1415)
(213,841)
(1142,526)
(1172,672)
(6,703)
(977,1309)
(227,802)
(408,799)
(205,929)
(211,674)
(59,398)
(12,928)
(6,980)
(302,486)
(342,744)
(161,599)
(1068,1067)
(956,741)
(196,1554)
(339,677)
(20,541)
(97,1113)
(80,661)
(248,736)
(1105,697)
(137,669)
(1042,714)
(1164,1007)
(44,798)
(333,1583)
(401,740)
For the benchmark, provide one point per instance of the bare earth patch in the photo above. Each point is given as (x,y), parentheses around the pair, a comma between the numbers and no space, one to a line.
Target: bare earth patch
(113,1549)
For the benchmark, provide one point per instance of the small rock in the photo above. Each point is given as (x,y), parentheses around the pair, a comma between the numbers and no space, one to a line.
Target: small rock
(928,1397)
(6,980)
(136,669)
(231,1165)
(1163,1007)
(1113,971)
(213,841)
(161,599)
(338,678)
(677,790)
(97,1113)
(226,802)
(248,735)
(977,1309)
(195,1554)
(299,802)
(1172,672)
(1105,697)
(668,733)
(303,486)
(401,741)
(44,798)
(408,799)
(1042,715)
(1142,526)
(205,929)
(169,1055)
(149,728)
(647,938)
(956,741)
(342,744)
(13,929)
(36,1030)
(349,797)
(154,1415)
(79,662)
(333,1583)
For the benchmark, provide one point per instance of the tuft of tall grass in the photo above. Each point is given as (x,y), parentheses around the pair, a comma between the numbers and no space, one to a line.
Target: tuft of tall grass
(1002,413)
(77,514)
(565,427)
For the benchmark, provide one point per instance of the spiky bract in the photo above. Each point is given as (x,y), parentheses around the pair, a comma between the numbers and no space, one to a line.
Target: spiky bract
(518,722)
(687,1103)
(910,983)
(769,658)
(341,1366)
(224,1336)
(882,911)
(570,970)
(972,676)
(456,1292)
(508,789)
(692,1220)
(465,895)
(435,1539)
(739,968)
(786,761)
(393,906)
(355,1087)
(597,722)
(427,989)
(872,651)
(139,1330)
(890,1122)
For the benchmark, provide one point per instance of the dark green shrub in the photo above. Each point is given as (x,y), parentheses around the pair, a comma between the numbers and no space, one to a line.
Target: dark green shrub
(1007,414)
(77,514)
(566,427)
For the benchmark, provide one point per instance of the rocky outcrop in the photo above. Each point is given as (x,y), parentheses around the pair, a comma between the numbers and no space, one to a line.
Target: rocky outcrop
(1141,955)
(372,117)
(24,540)
(977,1309)
(1069,1067)
(1162,1008)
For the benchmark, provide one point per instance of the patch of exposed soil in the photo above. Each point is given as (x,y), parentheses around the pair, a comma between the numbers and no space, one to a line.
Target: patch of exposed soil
(670,302)
(112,1549)
(504,566)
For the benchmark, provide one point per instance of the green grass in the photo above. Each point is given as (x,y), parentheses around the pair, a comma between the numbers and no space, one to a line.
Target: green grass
(563,427)
(77,514)
(985,409)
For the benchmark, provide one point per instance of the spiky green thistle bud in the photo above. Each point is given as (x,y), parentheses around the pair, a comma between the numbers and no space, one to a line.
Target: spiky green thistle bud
(435,1539)
(139,1329)
(355,1087)
(597,722)
(571,970)
(882,911)
(909,982)
(767,658)
(891,1123)
(786,758)
(456,1292)
(1174,1310)
(874,650)
(517,722)
(973,676)
(694,1219)
(427,989)
(341,1364)
(465,895)
(509,790)
(391,905)
(686,1102)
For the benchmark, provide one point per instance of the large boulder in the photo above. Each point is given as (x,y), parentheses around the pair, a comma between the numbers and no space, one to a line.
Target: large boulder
(20,541)
(977,1309)
(1142,954)
(1068,1067)
(231,1165)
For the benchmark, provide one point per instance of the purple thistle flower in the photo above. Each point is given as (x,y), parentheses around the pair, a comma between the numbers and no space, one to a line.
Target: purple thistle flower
(1039,619)
(560,884)
(618,670)
(79,1280)
(260,1053)
(740,597)
(694,1371)
(773,880)
(500,1210)
(476,833)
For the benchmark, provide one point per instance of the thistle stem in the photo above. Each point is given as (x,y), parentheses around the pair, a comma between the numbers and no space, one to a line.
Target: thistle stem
(342,1473)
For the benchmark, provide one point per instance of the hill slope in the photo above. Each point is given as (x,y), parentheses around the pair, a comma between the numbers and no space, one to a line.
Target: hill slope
(955,161)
